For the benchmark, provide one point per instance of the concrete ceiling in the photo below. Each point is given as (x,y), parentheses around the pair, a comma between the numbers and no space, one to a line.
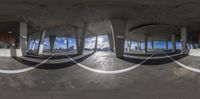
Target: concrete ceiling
(64,15)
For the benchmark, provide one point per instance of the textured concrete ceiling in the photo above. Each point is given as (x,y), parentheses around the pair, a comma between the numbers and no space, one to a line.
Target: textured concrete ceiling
(67,14)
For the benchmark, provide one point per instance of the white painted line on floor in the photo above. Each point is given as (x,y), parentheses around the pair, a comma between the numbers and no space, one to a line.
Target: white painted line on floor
(109,71)
(25,69)
(184,66)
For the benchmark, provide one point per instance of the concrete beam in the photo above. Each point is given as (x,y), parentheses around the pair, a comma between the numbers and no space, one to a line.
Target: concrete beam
(23,38)
(118,27)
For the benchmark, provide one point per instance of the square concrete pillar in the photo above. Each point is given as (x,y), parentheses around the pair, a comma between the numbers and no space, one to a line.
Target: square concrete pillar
(152,45)
(29,38)
(96,41)
(110,38)
(139,45)
(67,38)
(145,43)
(52,39)
(173,43)
(41,42)
(129,45)
(198,40)
(184,40)
(23,38)
(118,27)
(189,46)
(77,40)
(167,45)
(80,38)
(33,47)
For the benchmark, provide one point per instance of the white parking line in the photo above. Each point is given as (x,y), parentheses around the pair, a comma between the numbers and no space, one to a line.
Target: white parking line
(25,69)
(109,71)
(184,66)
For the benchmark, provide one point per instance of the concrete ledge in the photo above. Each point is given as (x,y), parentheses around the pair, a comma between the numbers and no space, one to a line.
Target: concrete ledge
(5,52)
(194,52)
(10,53)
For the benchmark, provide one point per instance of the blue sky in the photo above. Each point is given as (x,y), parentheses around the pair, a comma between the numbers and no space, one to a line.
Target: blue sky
(61,43)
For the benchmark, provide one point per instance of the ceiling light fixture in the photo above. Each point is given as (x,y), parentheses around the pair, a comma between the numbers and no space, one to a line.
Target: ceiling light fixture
(10,32)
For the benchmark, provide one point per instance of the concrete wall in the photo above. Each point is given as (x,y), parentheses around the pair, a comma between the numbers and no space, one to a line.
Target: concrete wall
(194,52)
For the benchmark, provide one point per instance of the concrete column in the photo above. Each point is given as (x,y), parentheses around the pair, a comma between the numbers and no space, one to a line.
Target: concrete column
(152,45)
(145,43)
(77,40)
(189,46)
(139,45)
(173,43)
(96,41)
(81,38)
(28,41)
(52,39)
(67,43)
(167,45)
(137,48)
(23,38)
(41,42)
(110,38)
(199,39)
(193,46)
(183,40)
(118,27)
(33,47)
(129,45)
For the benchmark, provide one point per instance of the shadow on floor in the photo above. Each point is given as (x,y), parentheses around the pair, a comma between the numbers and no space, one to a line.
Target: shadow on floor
(149,54)
(55,57)
(150,62)
(54,66)
(158,61)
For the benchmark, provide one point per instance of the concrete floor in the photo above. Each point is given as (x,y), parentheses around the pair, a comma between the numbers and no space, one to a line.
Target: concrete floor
(60,78)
